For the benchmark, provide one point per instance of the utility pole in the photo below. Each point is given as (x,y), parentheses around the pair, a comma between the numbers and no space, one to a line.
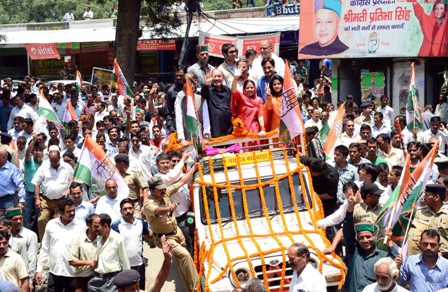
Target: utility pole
(191,7)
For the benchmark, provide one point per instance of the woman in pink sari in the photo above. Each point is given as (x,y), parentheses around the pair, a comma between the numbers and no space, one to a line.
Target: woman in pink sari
(248,106)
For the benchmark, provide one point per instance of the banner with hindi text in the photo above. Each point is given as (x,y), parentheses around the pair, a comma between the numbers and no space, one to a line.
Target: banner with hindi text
(372,28)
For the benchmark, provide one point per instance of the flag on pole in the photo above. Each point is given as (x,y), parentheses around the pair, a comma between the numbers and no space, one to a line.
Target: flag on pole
(420,177)
(69,114)
(46,111)
(291,122)
(335,131)
(389,214)
(414,115)
(94,168)
(192,124)
(78,81)
(323,133)
(120,81)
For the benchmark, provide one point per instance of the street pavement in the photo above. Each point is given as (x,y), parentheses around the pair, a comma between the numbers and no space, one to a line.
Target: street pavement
(155,260)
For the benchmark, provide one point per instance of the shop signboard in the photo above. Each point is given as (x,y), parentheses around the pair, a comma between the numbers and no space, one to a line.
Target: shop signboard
(101,76)
(282,9)
(243,43)
(48,26)
(42,51)
(149,62)
(372,28)
(156,45)
(51,67)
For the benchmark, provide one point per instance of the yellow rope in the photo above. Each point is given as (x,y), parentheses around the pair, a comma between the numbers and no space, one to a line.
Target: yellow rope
(312,213)
(247,215)
(218,217)
(266,215)
(235,222)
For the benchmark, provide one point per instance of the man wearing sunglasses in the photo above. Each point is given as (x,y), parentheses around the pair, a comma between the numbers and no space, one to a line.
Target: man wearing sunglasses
(228,67)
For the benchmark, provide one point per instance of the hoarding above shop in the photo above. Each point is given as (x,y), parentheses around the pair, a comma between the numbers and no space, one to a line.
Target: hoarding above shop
(156,45)
(372,28)
(42,51)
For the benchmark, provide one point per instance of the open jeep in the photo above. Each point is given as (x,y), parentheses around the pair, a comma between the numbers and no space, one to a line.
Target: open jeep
(249,208)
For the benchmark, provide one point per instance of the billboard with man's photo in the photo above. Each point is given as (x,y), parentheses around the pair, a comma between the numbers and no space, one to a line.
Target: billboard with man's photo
(373,28)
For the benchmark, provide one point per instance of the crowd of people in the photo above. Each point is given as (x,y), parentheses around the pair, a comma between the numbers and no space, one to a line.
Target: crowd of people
(61,234)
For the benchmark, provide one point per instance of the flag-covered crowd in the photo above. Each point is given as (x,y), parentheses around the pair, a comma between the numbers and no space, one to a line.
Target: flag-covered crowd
(89,174)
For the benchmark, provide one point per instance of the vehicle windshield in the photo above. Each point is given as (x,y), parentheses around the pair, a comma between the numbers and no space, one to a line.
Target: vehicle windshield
(253,200)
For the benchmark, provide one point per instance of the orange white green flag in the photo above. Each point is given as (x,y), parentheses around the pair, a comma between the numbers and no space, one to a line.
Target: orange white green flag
(94,168)
(334,133)
(69,114)
(120,81)
(192,124)
(291,122)
(414,115)
(78,81)
(46,111)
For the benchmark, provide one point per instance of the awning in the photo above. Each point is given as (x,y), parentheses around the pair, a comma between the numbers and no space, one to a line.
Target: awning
(21,37)
(42,51)
(235,26)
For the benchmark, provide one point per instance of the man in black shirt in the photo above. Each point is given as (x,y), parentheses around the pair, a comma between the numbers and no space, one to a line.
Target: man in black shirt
(218,97)
(325,182)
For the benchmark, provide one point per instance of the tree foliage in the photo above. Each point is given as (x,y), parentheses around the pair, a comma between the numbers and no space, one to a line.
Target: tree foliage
(24,11)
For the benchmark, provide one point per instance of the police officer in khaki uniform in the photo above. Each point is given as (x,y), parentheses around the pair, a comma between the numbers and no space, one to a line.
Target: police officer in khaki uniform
(159,213)
(138,187)
(433,215)
(369,209)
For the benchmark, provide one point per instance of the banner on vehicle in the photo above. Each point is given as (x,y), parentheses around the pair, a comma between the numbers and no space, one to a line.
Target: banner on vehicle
(372,28)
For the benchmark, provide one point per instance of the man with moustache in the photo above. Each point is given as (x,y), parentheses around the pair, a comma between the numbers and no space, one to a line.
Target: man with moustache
(362,254)
(427,271)
(305,277)
(386,273)
(60,233)
(133,231)
(12,266)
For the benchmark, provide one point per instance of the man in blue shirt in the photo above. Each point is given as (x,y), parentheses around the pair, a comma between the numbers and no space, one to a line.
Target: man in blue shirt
(268,65)
(427,271)
(5,110)
(10,180)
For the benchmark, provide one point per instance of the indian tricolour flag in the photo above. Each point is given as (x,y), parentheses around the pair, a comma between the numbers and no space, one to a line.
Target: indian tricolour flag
(191,118)
(120,81)
(78,81)
(389,213)
(405,211)
(291,122)
(69,114)
(46,111)
(414,116)
(94,168)
(334,132)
